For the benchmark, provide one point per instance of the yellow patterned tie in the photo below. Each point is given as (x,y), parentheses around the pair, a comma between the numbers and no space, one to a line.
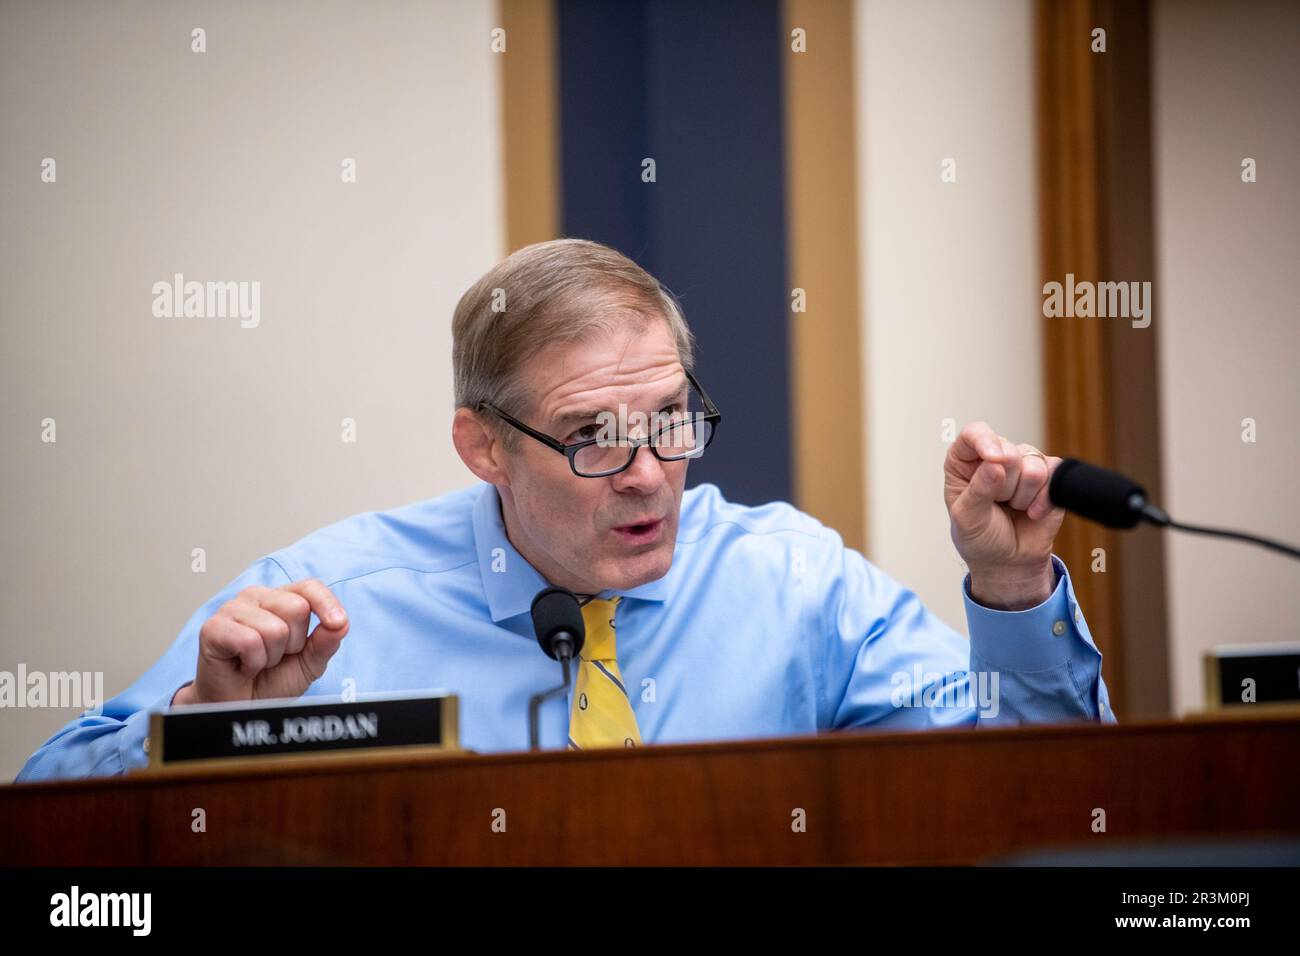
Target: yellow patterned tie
(602,714)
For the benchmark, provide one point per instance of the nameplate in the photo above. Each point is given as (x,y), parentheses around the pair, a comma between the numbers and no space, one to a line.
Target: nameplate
(305,725)
(1245,675)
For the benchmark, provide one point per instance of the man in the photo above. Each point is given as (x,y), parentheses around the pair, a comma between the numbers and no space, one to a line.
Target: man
(705,619)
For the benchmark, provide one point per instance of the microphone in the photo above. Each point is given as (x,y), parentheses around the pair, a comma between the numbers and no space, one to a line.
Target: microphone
(561,632)
(1117,501)
(558,624)
(1106,497)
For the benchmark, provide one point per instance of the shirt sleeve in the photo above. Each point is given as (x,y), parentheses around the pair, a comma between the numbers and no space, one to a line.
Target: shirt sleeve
(1049,665)
(111,740)
(891,663)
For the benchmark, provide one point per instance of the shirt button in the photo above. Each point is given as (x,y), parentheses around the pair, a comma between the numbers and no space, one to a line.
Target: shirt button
(1058,628)
(1077,614)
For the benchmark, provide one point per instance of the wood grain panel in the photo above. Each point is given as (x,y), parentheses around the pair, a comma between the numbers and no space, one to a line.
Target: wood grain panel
(953,797)
(1101,383)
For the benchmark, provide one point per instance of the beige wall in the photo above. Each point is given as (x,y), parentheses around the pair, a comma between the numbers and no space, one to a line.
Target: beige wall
(1225,78)
(182,433)
(949,269)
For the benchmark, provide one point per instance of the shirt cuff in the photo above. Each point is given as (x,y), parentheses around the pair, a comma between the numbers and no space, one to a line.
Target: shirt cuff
(135,731)
(1036,639)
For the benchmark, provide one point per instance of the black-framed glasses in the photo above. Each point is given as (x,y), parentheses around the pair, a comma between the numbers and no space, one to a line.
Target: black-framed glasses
(684,434)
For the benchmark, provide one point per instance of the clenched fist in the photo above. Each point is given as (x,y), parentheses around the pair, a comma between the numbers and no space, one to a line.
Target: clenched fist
(257,645)
(1002,521)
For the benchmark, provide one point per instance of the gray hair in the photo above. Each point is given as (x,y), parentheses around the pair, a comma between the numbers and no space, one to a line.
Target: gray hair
(558,292)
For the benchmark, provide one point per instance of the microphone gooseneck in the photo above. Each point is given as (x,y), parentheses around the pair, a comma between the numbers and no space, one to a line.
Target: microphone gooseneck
(1117,501)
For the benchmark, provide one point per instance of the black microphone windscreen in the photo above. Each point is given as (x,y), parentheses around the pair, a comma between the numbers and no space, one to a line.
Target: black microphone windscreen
(555,610)
(1097,494)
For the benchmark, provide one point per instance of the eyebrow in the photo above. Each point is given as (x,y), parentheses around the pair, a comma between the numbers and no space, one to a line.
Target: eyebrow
(586,416)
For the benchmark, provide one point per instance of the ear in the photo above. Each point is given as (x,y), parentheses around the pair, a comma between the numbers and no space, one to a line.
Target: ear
(479,448)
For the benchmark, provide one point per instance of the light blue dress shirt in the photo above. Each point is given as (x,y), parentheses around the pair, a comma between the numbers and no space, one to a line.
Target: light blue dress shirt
(766,624)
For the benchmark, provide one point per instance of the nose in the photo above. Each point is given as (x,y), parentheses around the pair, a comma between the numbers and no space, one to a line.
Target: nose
(645,474)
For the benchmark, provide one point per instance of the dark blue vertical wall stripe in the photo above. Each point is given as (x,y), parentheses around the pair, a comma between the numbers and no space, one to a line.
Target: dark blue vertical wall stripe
(603,122)
(697,87)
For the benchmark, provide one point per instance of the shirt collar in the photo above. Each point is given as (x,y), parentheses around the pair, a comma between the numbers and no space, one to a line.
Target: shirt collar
(510,582)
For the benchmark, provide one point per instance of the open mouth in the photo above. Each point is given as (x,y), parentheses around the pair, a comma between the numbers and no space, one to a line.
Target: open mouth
(642,533)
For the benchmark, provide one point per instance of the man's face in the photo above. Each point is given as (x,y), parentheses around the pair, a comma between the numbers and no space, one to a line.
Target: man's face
(574,530)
